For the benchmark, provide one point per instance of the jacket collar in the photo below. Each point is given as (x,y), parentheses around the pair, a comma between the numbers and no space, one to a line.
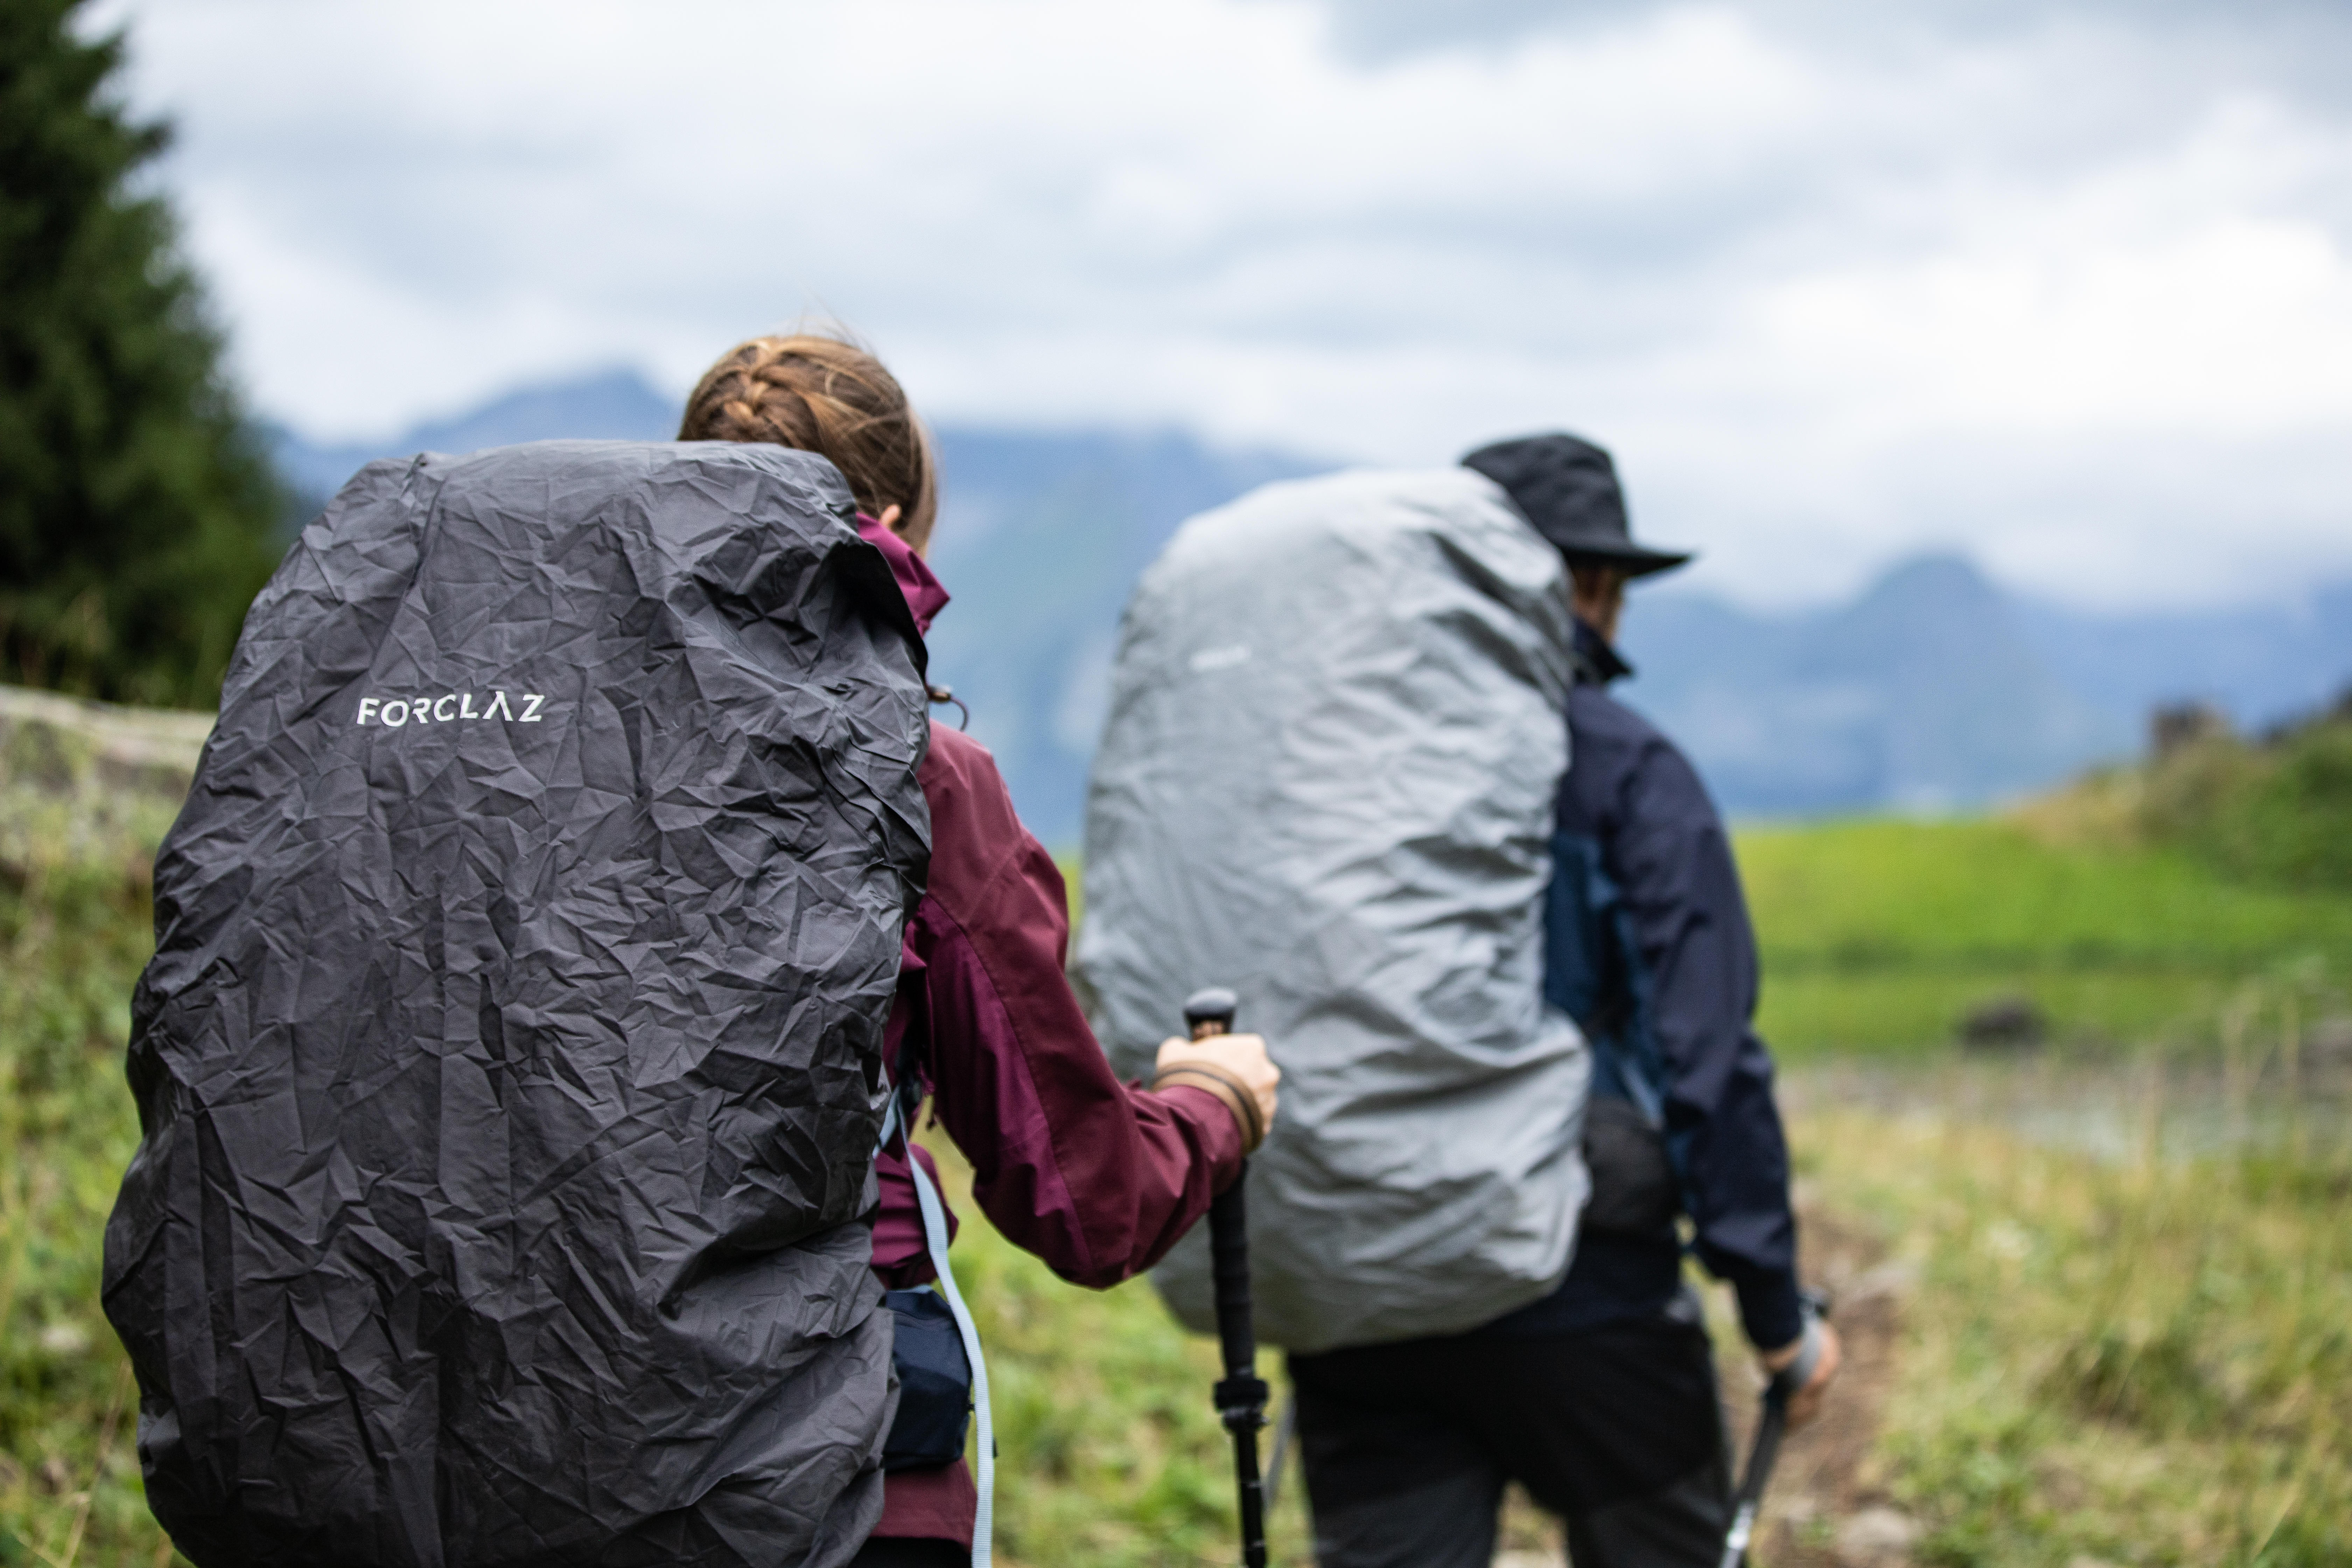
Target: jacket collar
(1597,663)
(926,594)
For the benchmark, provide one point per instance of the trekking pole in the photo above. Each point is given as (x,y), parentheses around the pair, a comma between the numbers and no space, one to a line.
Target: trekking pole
(1241,1394)
(1771,1424)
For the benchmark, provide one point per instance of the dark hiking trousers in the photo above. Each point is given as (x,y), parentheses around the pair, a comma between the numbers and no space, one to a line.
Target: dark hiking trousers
(1616,1429)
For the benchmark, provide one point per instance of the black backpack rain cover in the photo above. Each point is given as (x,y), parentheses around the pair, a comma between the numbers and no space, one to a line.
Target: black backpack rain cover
(508,1065)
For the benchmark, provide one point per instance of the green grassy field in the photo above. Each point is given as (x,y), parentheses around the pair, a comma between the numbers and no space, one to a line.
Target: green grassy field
(2110,1361)
(1879,936)
(2139,1362)
(73,933)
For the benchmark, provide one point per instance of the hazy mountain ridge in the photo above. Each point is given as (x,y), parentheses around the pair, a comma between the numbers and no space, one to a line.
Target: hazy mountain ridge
(1934,689)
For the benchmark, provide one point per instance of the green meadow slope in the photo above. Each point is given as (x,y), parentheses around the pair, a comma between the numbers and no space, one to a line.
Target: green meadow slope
(1880,936)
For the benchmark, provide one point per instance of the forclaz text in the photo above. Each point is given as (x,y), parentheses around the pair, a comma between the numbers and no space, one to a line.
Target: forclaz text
(447,707)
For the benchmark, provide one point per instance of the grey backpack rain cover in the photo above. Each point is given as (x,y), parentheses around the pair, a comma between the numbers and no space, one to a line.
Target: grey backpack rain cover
(1338,730)
(509,1063)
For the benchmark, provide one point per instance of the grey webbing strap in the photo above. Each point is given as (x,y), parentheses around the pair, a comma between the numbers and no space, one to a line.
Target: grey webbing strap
(935,1240)
(935,1232)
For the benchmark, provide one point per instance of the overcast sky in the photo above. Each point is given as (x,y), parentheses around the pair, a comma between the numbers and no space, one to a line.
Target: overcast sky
(2069,284)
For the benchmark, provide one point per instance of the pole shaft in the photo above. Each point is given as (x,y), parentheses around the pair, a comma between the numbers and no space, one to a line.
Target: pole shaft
(1772,1421)
(1241,1394)
(1252,1498)
(1241,1397)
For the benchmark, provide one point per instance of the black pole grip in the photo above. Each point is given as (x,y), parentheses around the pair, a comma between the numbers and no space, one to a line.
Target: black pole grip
(1772,1426)
(1241,1393)
(1229,1271)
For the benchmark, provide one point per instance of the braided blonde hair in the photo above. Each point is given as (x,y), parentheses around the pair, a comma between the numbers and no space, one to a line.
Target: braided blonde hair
(828,395)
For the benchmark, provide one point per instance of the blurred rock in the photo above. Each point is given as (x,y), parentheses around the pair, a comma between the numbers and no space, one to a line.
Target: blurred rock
(89,780)
(1877,1537)
(62,745)
(2329,1044)
(2004,1024)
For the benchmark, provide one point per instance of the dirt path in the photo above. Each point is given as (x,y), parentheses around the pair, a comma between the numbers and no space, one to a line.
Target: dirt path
(1824,1509)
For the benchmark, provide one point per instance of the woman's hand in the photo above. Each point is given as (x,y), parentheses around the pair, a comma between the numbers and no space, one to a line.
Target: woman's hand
(1234,1068)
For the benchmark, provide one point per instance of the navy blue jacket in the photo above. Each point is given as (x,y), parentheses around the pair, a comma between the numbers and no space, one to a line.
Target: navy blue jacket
(1683,1000)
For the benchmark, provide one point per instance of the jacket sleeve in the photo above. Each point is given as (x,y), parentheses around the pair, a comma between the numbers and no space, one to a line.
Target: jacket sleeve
(1096,1177)
(1674,861)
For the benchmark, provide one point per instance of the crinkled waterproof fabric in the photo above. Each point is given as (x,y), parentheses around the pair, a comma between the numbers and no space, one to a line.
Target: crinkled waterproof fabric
(508,1062)
(1327,782)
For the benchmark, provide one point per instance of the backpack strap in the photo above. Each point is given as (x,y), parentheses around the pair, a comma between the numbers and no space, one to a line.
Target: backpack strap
(935,1240)
(1593,972)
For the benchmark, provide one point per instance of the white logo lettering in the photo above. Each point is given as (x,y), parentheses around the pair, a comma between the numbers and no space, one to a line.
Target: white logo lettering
(1226,657)
(392,712)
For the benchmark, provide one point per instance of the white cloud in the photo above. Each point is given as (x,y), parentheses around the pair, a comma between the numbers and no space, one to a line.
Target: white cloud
(1789,259)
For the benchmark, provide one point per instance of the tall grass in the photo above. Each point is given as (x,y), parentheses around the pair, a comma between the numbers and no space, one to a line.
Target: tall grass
(74,930)
(2143,1360)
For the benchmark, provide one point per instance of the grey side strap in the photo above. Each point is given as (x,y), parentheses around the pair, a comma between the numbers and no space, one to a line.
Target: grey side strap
(935,1239)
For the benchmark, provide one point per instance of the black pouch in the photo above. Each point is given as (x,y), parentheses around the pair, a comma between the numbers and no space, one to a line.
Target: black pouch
(934,1382)
(1634,1185)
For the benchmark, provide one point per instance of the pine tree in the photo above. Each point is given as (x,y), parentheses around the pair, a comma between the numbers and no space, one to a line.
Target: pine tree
(137,509)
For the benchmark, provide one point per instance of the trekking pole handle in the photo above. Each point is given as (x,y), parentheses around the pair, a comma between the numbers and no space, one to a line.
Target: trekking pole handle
(1210,1011)
(1208,1014)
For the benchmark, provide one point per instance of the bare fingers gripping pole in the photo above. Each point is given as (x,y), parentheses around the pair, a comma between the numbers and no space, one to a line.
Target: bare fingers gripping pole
(1241,1393)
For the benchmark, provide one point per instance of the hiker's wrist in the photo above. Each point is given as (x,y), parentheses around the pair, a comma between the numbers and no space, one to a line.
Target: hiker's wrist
(1235,1067)
(1226,1101)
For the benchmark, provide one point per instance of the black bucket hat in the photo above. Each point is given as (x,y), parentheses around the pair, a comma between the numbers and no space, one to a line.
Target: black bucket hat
(1568,487)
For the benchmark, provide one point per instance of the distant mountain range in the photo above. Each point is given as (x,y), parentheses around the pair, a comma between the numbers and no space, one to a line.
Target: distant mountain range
(1934,690)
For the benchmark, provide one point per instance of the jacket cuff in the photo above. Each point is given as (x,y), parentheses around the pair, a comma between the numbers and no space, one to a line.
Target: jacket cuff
(1769,1309)
(1219,1130)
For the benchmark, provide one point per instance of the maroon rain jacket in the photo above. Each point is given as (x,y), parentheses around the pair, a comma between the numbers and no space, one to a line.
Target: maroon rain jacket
(1096,1177)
